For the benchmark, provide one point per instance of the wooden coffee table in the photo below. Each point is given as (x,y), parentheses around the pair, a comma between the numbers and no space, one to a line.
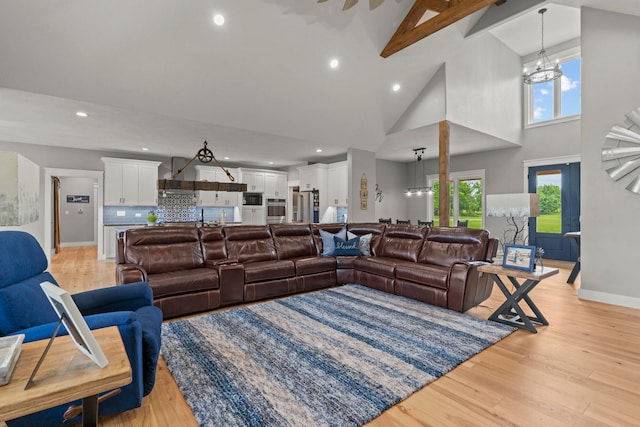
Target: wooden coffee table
(65,375)
(510,311)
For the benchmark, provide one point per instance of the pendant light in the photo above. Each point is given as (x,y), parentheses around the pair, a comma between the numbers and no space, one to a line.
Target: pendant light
(418,189)
(544,70)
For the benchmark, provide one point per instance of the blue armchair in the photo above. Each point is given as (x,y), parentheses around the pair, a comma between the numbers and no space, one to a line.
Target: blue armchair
(24,309)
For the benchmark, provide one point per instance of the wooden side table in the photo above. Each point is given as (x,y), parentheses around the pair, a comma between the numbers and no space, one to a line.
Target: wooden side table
(65,375)
(510,311)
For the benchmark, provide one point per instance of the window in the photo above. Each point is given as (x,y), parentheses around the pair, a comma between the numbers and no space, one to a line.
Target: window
(465,203)
(555,100)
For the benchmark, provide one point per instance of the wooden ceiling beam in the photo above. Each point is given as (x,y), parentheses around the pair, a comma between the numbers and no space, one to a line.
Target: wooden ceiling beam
(408,34)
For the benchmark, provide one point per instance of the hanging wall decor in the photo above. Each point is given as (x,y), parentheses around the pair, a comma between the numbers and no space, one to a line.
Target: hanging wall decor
(364,193)
(621,151)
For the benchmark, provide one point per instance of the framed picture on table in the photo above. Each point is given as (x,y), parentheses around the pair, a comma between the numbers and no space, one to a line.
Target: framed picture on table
(519,257)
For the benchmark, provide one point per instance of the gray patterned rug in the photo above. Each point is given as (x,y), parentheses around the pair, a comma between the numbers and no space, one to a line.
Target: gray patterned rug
(337,357)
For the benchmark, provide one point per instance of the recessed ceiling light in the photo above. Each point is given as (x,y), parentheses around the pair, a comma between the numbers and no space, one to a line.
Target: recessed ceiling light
(270,163)
(396,87)
(81,114)
(318,150)
(334,63)
(218,20)
(226,158)
(145,149)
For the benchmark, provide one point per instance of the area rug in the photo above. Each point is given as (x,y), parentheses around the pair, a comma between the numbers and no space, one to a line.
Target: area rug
(336,357)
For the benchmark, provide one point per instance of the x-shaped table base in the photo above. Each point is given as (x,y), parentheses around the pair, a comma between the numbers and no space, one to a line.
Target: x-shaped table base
(510,311)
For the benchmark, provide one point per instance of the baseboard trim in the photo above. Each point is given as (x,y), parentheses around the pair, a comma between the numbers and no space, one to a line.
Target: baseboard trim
(69,244)
(621,300)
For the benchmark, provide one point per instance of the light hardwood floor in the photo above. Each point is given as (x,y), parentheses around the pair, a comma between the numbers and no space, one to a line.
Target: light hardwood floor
(581,370)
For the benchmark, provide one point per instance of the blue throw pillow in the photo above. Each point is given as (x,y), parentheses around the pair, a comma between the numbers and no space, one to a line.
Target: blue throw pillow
(346,247)
(328,245)
(365,242)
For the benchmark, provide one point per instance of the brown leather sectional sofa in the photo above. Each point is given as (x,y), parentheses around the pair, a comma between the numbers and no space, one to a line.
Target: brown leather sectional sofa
(193,269)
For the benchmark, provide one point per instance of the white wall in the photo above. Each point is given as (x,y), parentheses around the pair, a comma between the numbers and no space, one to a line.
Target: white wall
(428,107)
(610,228)
(392,179)
(484,88)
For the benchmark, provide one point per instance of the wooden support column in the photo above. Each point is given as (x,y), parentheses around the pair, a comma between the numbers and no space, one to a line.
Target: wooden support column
(443,173)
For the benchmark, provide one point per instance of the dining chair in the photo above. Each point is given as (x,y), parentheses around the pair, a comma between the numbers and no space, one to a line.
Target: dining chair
(427,223)
(384,220)
(464,223)
(403,221)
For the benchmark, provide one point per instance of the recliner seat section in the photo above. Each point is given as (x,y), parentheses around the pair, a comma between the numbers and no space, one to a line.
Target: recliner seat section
(437,265)
(170,259)
(265,275)
(399,245)
(295,242)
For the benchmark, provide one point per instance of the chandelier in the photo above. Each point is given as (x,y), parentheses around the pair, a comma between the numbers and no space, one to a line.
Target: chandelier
(544,70)
(418,190)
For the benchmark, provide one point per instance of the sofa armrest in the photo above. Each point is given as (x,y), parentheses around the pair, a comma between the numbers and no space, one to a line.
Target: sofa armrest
(97,321)
(231,278)
(467,287)
(218,262)
(130,273)
(492,249)
(128,297)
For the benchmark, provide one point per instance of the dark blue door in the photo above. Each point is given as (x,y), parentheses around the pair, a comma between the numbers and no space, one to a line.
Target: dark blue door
(559,190)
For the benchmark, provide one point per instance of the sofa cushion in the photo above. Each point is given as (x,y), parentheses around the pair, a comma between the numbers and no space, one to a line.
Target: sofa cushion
(183,282)
(376,265)
(313,265)
(212,242)
(164,250)
(249,243)
(447,245)
(346,247)
(402,242)
(293,240)
(345,261)
(424,274)
(263,271)
(328,244)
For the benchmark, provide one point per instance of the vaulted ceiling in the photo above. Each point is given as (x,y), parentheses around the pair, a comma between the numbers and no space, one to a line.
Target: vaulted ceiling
(159,74)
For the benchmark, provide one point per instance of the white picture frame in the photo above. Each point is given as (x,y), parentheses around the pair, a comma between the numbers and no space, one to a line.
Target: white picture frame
(67,309)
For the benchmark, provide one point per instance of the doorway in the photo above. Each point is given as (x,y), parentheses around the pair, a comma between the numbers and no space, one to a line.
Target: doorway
(97,176)
(559,188)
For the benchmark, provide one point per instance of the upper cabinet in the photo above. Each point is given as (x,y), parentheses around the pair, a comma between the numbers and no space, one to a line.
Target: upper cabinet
(338,184)
(253,179)
(130,182)
(313,177)
(217,198)
(275,185)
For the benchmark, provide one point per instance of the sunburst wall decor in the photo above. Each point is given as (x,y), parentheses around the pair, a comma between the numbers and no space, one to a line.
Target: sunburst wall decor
(622,146)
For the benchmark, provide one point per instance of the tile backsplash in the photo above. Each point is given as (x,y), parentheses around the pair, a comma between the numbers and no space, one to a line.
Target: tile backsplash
(171,208)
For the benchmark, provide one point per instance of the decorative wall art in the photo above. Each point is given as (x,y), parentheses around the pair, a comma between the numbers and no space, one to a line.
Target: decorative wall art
(19,190)
(364,193)
(621,151)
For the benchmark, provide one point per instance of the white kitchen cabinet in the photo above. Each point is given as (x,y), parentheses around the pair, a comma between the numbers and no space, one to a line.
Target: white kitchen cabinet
(313,177)
(130,182)
(110,241)
(217,198)
(254,215)
(275,185)
(254,181)
(338,184)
